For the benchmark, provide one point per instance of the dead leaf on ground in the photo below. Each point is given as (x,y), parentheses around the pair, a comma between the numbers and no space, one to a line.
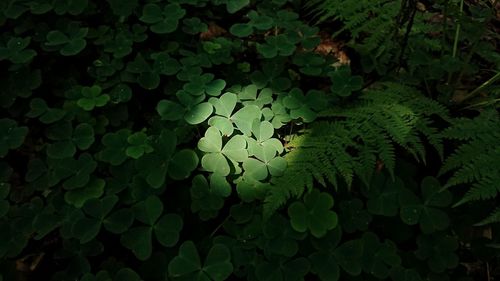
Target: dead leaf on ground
(332,47)
(213,31)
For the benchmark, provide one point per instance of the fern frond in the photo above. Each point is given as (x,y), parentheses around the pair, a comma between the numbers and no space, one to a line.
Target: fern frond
(346,142)
(494,217)
(475,163)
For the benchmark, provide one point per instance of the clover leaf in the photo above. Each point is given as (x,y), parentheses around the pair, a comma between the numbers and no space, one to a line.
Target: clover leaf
(235,5)
(92,98)
(250,189)
(194,25)
(378,257)
(164,20)
(402,274)
(383,196)
(16,51)
(225,105)
(205,200)
(313,214)
(353,217)
(276,45)
(115,146)
(46,115)
(119,221)
(323,261)
(165,64)
(87,228)
(68,43)
(123,8)
(166,160)
(123,274)
(93,189)
(216,159)
(67,139)
(243,118)
(12,136)
(147,76)
(265,164)
(72,7)
(194,112)
(367,254)
(81,170)
(343,83)
(19,84)
(270,75)
(309,63)
(120,93)
(280,238)
(426,213)
(439,251)
(205,84)
(139,144)
(187,265)
(289,269)
(260,21)
(304,107)
(166,229)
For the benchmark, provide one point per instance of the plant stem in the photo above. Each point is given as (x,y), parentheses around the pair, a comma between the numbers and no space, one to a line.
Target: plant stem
(482,86)
(457,31)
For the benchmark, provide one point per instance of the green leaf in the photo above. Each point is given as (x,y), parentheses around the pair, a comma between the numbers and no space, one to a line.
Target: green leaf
(78,197)
(216,163)
(219,185)
(127,274)
(123,8)
(225,105)
(86,229)
(149,210)
(215,87)
(198,113)
(139,241)
(235,5)
(149,80)
(325,266)
(245,117)
(119,221)
(223,124)
(12,136)
(185,161)
(343,84)
(353,217)
(217,264)
(169,110)
(211,142)
(188,261)
(348,256)
(262,130)
(235,149)
(167,229)
(83,136)
(241,29)
(383,197)
(255,169)
(313,214)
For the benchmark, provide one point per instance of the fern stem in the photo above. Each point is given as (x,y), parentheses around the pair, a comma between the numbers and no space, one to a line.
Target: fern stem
(482,86)
(445,21)
(457,31)
(488,102)
(457,35)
